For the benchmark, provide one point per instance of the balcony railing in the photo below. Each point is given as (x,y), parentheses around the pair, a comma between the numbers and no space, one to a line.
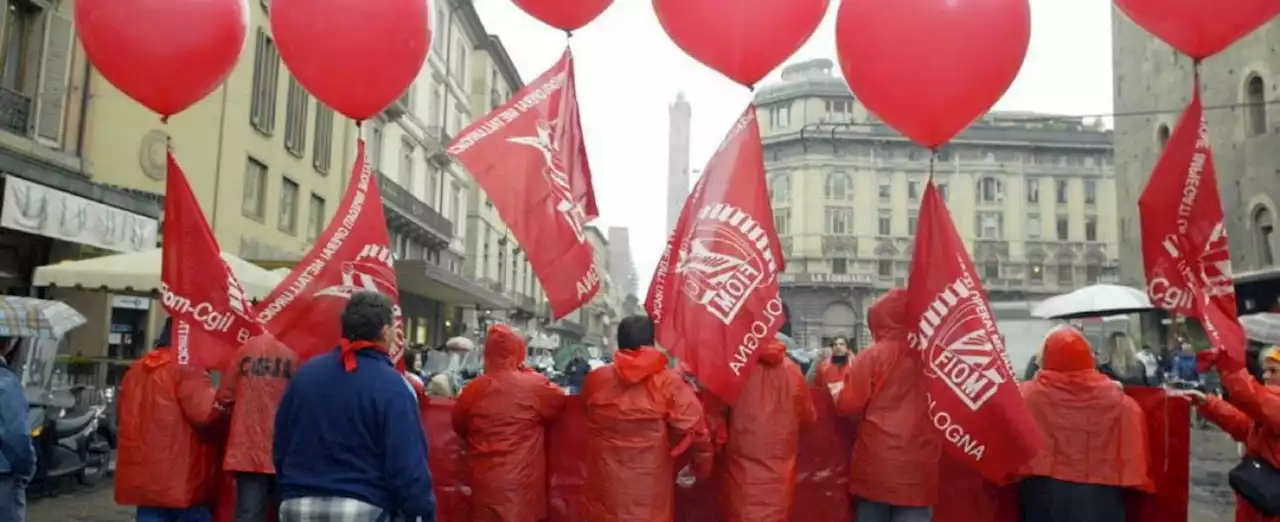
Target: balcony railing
(15,111)
(402,202)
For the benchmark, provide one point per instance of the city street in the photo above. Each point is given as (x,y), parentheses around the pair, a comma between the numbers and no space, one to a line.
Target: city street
(1211,499)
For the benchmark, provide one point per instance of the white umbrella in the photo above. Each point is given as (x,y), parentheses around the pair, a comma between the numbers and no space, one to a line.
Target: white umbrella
(1264,327)
(1093,301)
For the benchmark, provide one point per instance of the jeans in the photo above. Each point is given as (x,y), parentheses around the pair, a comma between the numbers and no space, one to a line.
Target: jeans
(191,514)
(872,511)
(13,499)
(257,494)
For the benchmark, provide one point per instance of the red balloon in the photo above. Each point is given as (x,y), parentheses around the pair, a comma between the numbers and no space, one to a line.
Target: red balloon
(165,54)
(356,56)
(1198,28)
(929,68)
(566,15)
(742,39)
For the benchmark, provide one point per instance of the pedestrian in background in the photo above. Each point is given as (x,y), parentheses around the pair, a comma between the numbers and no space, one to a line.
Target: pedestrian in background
(17,454)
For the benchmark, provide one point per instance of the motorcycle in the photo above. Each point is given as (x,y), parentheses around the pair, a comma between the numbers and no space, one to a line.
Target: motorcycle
(78,446)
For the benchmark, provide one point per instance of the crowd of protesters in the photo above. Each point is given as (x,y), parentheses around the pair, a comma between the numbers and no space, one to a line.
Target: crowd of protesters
(339,437)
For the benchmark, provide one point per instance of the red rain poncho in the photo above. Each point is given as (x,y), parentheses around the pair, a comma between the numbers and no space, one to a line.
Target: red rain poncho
(1093,432)
(637,411)
(758,477)
(254,380)
(895,455)
(1253,418)
(501,417)
(162,459)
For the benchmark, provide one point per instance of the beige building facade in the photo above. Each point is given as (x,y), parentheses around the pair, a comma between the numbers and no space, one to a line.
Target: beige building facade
(1031,195)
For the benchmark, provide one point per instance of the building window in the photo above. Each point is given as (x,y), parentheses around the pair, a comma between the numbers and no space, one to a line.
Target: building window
(457,208)
(1090,192)
(1255,93)
(1035,272)
(1034,226)
(839,265)
(1092,273)
(322,152)
(1060,191)
(266,79)
(885,223)
(288,218)
(1061,229)
(991,269)
(438,31)
(460,67)
(990,190)
(254,199)
(913,221)
(990,225)
(884,268)
(315,217)
(884,189)
(780,189)
(839,220)
(375,146)
(1162,135)
(1091,228)
(406,164)
(944,191)
(1263,227)
(839,186)
(19,20)
(782,222)
(295,119)
(1065,275)
(780,116)
(1033,190)
(913,190)
(838,111)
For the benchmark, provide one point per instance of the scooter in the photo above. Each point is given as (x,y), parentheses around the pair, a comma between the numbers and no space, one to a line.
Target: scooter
(77,447)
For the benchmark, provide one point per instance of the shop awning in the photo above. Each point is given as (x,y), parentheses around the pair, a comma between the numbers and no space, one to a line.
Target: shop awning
(426,279)
(139,272)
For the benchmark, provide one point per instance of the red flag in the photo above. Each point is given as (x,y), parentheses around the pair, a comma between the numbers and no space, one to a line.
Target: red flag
(529,157)
(714,296)
(1184,240)
(206,301)
(974,400)
(353,254)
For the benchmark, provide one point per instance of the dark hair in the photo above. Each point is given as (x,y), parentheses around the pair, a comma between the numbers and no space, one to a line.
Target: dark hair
(634,332)
(365,315)
(786,321)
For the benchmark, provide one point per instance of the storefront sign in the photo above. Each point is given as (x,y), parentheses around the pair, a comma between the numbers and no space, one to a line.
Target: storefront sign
(824,279)
(130,302)
(37,209)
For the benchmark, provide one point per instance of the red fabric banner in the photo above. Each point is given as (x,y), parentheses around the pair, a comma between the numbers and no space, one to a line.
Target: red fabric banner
(822,492)
(714,296)
(974,400)
(353,254)
(212,315)
(529,157)
(1184,239)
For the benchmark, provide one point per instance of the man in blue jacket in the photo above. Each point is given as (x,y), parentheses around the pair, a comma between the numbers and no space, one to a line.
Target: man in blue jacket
(348,442)
(17,455)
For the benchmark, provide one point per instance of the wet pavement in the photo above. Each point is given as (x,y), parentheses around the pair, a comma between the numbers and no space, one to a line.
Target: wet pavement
(1213,454)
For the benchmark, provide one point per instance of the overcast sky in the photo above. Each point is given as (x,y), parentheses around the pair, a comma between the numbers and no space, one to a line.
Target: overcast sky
(628,71)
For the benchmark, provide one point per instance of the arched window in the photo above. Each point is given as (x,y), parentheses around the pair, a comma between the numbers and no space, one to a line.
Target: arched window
(1162,135)
(839,186)
(780,189)
(1263,226)
(1255,97)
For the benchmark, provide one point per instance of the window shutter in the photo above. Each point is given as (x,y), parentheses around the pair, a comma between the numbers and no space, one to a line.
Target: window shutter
(52,100)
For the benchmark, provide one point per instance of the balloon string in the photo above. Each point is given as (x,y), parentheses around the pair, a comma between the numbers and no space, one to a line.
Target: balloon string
(933,157)
(1195,75)
(164,119)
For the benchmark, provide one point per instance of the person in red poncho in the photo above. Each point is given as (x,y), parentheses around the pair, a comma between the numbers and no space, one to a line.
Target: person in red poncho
(501,417)
(758,471)
(831,370)
(893,473)
(637,410)
(1251,416)
(164,465)
(254,381)
(1095,438)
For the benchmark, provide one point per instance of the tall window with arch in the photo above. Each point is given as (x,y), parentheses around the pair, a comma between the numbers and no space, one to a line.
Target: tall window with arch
(1263,228)
(990,190)
(780,189)
(782,221)
(839,186)
(1255,97)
